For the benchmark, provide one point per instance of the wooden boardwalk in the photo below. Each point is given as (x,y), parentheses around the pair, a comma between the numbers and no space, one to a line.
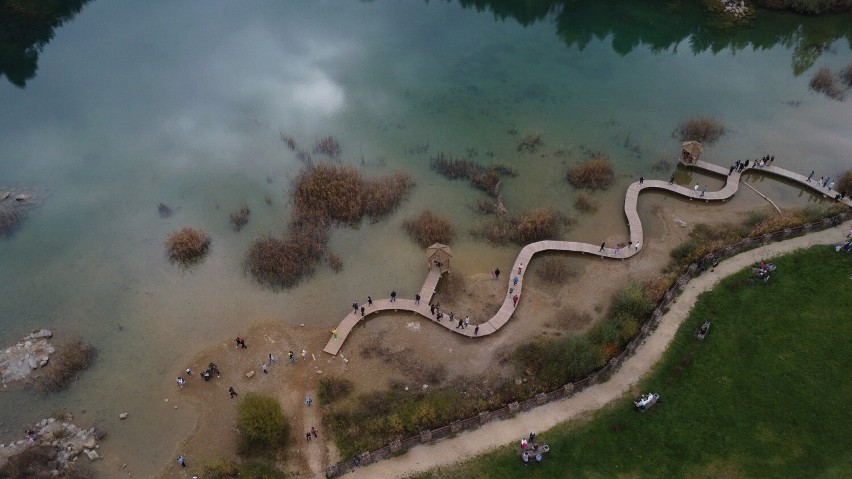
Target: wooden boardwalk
(631,199)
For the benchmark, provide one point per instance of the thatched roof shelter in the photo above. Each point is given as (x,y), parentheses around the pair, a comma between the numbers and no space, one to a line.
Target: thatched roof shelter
(690,151)
(439,255)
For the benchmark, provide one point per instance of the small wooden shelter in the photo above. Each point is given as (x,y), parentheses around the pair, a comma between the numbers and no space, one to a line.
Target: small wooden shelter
(690,151)
(439,255)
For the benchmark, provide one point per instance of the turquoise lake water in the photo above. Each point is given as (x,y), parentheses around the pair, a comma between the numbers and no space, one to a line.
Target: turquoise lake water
(134,103)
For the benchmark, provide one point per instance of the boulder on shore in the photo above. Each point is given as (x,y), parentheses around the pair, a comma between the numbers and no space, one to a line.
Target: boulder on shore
(32,352)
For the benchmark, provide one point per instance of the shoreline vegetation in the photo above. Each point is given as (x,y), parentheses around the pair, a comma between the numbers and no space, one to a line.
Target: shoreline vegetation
(374,419)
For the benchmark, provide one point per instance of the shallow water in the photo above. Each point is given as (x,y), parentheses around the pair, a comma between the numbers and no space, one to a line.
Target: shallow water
(138,103)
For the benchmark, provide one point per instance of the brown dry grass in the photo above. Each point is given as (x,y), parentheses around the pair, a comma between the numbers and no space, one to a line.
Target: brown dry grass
(65,365)
(585,202)
(322,195)
(528,227)
(187,246)
(825,82)
(334,262)
(428,228)
(702,129)
(554,270)
(844,184)
(596,173)
(240,218)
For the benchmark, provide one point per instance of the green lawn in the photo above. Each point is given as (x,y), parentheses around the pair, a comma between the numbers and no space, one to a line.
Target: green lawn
(767,394)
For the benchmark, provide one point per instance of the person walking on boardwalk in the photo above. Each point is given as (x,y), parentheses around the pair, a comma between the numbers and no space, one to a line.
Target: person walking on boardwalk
(460,324)
(695,189)
(362,310)
(515,280)
(393,296)
(432,309)
(641,180)
(476,330)
(417,298)
(704,191)
(355,306)
(466,321)
(810,176)
(515,300)
(603,245)
(731,170)
(369,300)
(334,334)
(671,180)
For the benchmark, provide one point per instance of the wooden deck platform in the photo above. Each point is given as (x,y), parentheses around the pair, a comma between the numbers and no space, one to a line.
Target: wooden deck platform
(631,199)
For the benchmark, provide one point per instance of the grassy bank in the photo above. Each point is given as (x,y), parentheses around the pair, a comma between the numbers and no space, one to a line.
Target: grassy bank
(765,395)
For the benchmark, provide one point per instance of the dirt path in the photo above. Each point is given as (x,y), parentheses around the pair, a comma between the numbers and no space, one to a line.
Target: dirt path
(498,433)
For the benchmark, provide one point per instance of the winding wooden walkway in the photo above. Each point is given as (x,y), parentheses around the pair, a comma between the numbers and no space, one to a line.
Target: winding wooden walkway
(504,314)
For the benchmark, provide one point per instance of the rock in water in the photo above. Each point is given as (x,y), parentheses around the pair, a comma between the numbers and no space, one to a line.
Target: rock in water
(122,415)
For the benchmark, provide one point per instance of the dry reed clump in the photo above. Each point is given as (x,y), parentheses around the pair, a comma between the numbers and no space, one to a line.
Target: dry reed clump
(593,174)
(328,146)
(554,270)
(825,82)
(585,202)
(530,143)
(187,246)
(702,129)
(164,210)
(655,288)
(65,365)
(334,262)
(10,221)
(240,218)
(528,227)
(429,228)
(322,195)
(484,178)
(485,207)
(844,184)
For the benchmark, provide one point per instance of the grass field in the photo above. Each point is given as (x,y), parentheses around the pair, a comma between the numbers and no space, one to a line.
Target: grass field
(767,394)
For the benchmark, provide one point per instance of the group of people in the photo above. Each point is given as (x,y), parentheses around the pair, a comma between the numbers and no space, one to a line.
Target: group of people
(827,183)
(531,450)
(206,374)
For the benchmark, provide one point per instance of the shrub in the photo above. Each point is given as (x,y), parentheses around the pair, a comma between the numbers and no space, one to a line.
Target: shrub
(10,221)
(556,362)
(187,246)
(221,469)
(825,82)
(240,218)
(332,388)
(585,202)
(429,228)
(262,424)
(260,470)
(282,263)
(65,365)
(844,184)
(594,174)
(700,128)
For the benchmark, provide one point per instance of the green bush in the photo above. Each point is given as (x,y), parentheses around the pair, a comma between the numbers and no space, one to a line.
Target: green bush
(261,422)
(259,470)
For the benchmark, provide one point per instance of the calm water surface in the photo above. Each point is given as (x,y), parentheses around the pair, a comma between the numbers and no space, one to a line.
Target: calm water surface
(140,102)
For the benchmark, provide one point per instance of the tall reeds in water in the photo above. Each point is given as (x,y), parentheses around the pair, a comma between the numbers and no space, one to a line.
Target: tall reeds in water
(187,246)
(429,228)
(484,178)
(702,129)
(323,195)
(593,174)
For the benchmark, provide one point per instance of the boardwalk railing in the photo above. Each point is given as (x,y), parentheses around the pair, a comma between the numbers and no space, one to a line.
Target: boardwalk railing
(568,390)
